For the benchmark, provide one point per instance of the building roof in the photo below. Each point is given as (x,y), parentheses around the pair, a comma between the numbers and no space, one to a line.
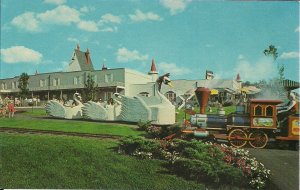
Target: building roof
(84,60)
(184,86)
(238,77)
(153,68)
(290,84)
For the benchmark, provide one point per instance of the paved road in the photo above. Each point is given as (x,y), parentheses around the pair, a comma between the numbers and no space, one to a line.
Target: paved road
(284,166)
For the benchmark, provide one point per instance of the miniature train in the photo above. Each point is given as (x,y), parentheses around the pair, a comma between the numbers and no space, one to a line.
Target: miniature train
(254,122)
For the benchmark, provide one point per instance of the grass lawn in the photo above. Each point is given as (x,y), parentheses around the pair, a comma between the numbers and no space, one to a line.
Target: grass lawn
(70,126)
(42,161)
(25,120)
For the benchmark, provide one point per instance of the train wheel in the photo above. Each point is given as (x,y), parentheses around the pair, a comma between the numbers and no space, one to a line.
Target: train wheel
(236,137)
(260,139)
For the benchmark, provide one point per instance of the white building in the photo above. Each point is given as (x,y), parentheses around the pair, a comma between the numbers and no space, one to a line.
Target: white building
(62,85)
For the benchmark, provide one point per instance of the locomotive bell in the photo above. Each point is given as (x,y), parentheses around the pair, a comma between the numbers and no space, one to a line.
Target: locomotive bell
(202,95)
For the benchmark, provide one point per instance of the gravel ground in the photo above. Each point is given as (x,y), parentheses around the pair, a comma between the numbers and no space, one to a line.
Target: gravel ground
(284,166)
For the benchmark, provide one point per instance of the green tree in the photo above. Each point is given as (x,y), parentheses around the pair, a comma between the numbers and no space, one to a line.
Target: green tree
(23,85)
(275,86)
(272,51)
(89,90)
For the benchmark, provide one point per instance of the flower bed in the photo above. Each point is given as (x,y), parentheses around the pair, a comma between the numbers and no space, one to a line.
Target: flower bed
(204,162)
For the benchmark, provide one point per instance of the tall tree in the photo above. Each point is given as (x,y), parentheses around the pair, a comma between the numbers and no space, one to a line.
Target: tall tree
(275,87)
(89,91)
(23,85)
(272,51)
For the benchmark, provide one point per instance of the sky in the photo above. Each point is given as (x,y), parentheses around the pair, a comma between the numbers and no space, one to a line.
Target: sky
(184,37)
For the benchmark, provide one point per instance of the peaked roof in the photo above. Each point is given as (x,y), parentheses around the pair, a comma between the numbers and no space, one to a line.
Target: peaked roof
(84,60)
(153,68)
(238,78)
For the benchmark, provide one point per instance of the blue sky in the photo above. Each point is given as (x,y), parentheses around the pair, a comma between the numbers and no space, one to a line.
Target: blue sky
(184,37)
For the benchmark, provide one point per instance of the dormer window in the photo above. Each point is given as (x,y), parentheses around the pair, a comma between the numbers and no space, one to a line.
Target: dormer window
(109,78)
(73,57)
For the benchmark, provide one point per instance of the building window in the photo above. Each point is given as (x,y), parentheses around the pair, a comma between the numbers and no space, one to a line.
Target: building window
(146,94)
(75,80)
(108,95)
(94,77)
(56,82)
(2,86)
(171,96)
(5,86)
(109,78)
(13,85)
(41,83)
(79,80)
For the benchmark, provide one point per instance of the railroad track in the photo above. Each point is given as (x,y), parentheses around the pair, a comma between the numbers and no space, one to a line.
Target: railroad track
(48,132)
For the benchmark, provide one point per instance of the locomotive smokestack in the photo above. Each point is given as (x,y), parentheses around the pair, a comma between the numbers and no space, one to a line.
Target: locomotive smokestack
(202,95)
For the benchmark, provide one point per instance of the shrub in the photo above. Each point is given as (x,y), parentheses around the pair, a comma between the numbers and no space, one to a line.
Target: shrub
(205,162)
(140,147)
(143,125)
(161,132)
(200,161)
(153,132)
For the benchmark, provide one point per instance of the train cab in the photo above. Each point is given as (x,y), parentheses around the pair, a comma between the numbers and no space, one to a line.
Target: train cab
(263,113)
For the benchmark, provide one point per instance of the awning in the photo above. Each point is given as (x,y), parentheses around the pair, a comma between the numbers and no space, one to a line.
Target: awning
(214,92)
(245,90)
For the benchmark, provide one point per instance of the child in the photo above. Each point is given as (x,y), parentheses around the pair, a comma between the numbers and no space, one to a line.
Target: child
(11,109)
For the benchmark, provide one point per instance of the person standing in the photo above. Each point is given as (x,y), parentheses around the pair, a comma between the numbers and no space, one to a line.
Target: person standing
(11,109)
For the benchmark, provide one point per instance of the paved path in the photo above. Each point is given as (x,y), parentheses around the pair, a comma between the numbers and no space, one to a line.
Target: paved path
(284,166)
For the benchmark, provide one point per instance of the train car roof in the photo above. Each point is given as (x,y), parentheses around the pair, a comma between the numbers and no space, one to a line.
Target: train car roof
(264,101)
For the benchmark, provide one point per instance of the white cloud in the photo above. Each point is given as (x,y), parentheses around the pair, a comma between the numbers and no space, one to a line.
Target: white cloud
(297,29)
(71,39)
(173,69)
(241,57)
(89,26)
(109,29)
(20,54)
(175,6)
(139,16)
(110,18)
(289,55)
(60,15)
(26,21)
(86,9)
(64,15)
(264,68)
(55,2)
(125,55)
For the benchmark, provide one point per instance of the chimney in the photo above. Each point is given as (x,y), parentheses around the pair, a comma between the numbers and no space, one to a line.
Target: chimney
(78,47)
(202,95)
(87,55)
(104,67)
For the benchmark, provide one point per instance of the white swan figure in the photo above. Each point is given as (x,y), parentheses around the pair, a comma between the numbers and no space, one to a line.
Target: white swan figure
(56,109)
(97,111)
(157,108)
